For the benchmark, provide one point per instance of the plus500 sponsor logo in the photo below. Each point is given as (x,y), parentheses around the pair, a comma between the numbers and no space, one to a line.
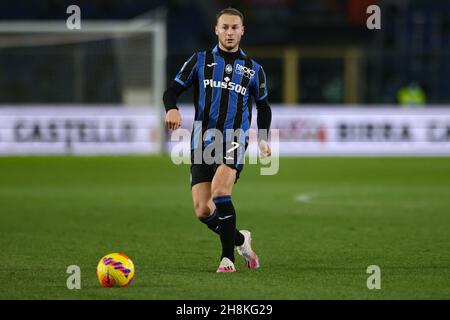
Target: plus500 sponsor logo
(225,85)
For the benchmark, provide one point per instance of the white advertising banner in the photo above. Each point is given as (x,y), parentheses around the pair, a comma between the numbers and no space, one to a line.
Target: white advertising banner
(345,130)
(337,130)
(78,130)
(363,131)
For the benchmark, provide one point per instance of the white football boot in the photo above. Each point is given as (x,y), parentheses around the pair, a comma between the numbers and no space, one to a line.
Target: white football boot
(226,265)
(251,259)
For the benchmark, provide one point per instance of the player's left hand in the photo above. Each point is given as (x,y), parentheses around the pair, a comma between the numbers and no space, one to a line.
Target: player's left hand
(265,149)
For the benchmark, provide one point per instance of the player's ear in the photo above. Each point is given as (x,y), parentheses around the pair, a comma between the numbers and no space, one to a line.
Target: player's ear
(216,30)
(242,33)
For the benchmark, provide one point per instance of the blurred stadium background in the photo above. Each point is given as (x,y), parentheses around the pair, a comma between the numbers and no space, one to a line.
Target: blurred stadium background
(388,89)
(336,89)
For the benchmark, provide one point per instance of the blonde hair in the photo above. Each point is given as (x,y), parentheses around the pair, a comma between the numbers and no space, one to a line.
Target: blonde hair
(230,11)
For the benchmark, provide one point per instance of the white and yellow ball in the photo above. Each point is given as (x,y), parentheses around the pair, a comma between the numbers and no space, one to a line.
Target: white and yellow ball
(115,270)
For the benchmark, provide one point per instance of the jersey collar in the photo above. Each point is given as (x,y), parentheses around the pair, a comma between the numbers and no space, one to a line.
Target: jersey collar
(241,52)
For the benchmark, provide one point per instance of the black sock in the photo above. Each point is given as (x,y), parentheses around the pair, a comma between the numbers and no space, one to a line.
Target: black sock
(238,238)
(227,225)
(212,221)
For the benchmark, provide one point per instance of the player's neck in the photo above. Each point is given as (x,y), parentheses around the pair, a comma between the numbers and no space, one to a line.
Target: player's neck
(235,49)
(229,54)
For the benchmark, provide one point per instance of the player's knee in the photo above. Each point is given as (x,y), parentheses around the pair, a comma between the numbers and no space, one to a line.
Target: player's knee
(201,210)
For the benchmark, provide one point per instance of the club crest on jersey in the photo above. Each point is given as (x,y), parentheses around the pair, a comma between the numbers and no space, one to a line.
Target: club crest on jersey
(228,69)
(246,72)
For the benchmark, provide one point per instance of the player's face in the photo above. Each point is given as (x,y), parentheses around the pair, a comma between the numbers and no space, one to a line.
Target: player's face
(229,30)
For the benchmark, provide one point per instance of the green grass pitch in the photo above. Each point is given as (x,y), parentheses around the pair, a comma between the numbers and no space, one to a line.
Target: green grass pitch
(317,225)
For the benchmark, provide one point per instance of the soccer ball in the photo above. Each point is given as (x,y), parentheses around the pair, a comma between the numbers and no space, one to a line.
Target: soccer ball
(115,269)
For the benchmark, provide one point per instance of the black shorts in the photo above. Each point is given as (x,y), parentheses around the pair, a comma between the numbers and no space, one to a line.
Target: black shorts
(204,172)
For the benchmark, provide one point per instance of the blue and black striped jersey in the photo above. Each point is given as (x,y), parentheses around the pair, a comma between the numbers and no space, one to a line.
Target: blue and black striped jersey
(223,90)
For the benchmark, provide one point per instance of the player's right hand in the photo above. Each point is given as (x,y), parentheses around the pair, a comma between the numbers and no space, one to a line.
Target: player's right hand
(173,119)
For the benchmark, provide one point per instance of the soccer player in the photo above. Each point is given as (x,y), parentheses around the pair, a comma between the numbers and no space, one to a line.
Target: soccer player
(225,79)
